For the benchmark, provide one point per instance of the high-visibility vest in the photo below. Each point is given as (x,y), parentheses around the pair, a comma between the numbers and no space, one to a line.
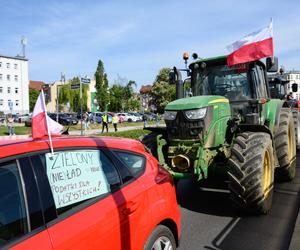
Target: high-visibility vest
(115,119)
(104,118)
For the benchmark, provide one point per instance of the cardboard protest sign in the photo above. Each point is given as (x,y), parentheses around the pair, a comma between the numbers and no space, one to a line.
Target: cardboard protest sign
(75,176)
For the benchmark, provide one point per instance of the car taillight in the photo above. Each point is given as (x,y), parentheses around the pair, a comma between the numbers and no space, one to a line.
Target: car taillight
(298,104)
(163,175)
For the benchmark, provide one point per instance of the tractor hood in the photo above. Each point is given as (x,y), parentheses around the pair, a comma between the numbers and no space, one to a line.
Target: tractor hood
(196,102)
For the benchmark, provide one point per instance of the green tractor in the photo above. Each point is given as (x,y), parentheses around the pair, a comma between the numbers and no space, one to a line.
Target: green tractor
(280,89)
(227,131)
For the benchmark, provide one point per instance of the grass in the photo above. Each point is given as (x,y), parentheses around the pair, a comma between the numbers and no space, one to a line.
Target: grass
(20,130)
(133,134)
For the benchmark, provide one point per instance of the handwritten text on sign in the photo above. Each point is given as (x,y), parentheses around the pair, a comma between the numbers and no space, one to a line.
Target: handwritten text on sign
(75,176)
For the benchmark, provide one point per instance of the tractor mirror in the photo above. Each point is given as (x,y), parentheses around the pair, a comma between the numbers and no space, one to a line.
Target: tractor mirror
(294,87)
(172,77)
(272,64)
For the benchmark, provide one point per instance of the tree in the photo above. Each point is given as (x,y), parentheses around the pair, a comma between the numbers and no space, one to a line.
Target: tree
(128,94)
(33,96)
(162,92)
(102,91)
(116,96)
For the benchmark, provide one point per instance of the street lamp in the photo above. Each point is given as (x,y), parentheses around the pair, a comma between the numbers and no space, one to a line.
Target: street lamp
(62,80)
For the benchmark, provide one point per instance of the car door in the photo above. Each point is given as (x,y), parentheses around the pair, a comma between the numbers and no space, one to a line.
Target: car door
(21,221)
(83,183)
(132,198)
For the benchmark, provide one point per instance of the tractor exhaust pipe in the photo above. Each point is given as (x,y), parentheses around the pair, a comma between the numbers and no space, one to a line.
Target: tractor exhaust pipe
(181,162)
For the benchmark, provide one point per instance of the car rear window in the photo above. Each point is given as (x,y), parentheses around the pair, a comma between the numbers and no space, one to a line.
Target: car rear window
(79,175)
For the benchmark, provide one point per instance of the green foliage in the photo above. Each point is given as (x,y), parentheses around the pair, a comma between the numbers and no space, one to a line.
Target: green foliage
(116,95)
(162,92)
(122,96)
(66,94)
(133,134)
(33,96)
(102,94)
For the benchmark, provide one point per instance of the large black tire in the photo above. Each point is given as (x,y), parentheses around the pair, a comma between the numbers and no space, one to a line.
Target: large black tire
(161,236)
(150,143)
(285,144)
(296,126)
(251,172)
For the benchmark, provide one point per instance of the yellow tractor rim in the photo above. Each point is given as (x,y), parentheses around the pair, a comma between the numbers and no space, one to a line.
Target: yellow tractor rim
(267,173)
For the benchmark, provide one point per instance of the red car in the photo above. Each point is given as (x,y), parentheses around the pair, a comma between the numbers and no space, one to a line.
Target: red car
(92,193)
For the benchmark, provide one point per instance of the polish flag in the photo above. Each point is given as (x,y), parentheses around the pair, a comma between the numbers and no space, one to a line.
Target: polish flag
(252,47)
(41,124)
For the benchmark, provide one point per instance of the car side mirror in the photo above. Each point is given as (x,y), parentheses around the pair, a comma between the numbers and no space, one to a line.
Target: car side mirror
(294,87)
(272,64)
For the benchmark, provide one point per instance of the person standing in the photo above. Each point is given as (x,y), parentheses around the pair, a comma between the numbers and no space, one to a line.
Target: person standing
(10,124)
(145,120)
(104,122)
(115,120)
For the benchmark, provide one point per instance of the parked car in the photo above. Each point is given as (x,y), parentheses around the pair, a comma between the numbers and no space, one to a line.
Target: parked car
(92,193)
(96,117)
(127,117)
(28,121)
(63,118)
(23,118)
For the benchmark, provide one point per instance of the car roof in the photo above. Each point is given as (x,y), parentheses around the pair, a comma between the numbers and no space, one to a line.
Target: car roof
(19,145)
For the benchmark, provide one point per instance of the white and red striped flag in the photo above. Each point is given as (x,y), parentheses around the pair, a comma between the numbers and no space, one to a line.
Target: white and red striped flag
(252,47)
(41,124)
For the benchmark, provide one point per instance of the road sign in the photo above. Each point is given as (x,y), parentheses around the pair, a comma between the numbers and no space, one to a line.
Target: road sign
(85,80)
(75,86)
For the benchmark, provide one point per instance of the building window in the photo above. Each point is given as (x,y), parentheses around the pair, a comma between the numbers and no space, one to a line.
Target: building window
(8,77)
(16,90)
(8,90)
(8,65)
(16,78)
(17,102)
(1,77)
(16,66)
(1,102)
(1,89)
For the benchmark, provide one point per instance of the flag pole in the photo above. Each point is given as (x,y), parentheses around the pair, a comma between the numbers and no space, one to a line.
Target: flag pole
(46,117)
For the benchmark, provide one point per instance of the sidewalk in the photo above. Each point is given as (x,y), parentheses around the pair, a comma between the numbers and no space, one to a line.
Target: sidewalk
(98,131)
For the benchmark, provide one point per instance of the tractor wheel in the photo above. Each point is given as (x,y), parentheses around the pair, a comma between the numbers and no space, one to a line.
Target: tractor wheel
(150,143)
(297,127)
(285,145)
(251,172)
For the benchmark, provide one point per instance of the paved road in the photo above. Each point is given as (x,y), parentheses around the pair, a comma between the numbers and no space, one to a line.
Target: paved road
(209,221)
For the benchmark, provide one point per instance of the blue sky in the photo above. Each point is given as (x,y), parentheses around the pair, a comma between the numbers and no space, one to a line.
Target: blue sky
(135,39)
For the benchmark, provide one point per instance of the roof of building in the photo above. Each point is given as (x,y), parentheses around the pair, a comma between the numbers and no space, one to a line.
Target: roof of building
(37,85)
(15,57)
(145,89)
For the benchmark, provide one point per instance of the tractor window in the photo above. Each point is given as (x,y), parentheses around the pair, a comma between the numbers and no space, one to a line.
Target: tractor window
(224,81)
(259,82)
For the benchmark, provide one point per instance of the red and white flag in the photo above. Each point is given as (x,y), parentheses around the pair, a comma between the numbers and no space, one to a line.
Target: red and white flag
(41,124)
(252,47)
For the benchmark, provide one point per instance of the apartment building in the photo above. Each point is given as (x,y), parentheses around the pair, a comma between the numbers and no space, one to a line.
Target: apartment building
(14,93)
(294,77)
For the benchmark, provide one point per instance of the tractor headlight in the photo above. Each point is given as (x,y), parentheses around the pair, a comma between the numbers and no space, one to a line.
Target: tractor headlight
(195,114)
(170,115)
